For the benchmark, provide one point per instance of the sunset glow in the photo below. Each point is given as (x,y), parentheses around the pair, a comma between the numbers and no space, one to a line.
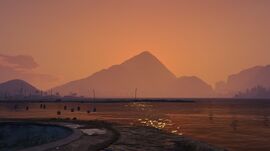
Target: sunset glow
(71,40)
(135,75)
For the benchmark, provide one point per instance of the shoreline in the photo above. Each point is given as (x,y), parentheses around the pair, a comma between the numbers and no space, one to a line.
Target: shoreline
(127,100)
(125,137)
(108,100)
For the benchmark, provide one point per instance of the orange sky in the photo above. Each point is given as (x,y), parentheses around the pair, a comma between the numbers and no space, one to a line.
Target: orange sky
(73,39)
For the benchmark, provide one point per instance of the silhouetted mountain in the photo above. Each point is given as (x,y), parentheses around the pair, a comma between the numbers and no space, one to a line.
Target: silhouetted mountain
(144,72)
(192,86)
(244,80)
(16,87)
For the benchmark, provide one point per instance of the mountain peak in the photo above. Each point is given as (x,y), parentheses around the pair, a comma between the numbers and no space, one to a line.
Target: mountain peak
(146,53)
(144,57)
(147,63)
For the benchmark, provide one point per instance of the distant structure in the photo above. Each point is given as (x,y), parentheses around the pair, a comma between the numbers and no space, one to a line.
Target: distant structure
(255,92)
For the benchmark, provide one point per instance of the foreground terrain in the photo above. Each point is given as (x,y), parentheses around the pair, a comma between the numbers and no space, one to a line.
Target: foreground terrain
(118,137)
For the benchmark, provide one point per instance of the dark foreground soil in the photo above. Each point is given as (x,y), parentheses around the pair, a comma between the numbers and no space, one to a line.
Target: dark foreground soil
(120,137)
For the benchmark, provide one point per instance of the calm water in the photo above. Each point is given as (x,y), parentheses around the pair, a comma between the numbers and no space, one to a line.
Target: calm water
(238,125)
(17,136)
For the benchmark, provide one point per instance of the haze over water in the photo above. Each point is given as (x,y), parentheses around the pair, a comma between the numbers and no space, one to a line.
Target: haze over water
(238,125)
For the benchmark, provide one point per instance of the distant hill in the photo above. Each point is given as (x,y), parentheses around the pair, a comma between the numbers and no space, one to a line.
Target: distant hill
(246,79)
(16,87)
(144,72)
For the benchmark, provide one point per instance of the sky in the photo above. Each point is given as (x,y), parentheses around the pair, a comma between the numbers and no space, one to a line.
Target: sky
(62,40)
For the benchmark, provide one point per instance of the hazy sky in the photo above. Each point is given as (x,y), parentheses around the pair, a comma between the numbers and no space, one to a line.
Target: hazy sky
(72,39)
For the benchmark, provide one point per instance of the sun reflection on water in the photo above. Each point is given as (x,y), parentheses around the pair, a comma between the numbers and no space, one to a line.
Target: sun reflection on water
(152,118)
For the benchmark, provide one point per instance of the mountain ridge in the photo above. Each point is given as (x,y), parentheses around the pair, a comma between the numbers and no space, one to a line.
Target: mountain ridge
(143,71)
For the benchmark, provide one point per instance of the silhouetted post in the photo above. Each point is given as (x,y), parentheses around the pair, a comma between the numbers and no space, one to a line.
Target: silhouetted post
(59,108)
(136,93)
(94,97)
(89,110)
(94,94)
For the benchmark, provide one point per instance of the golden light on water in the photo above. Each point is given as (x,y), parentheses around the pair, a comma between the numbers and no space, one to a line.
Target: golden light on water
(151,118)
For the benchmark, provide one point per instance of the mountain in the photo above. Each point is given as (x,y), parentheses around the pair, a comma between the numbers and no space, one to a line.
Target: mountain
(16,87)
(246,79)
(144,72)
(192,87)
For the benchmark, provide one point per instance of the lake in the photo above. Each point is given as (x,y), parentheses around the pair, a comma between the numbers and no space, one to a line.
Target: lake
(238,125)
